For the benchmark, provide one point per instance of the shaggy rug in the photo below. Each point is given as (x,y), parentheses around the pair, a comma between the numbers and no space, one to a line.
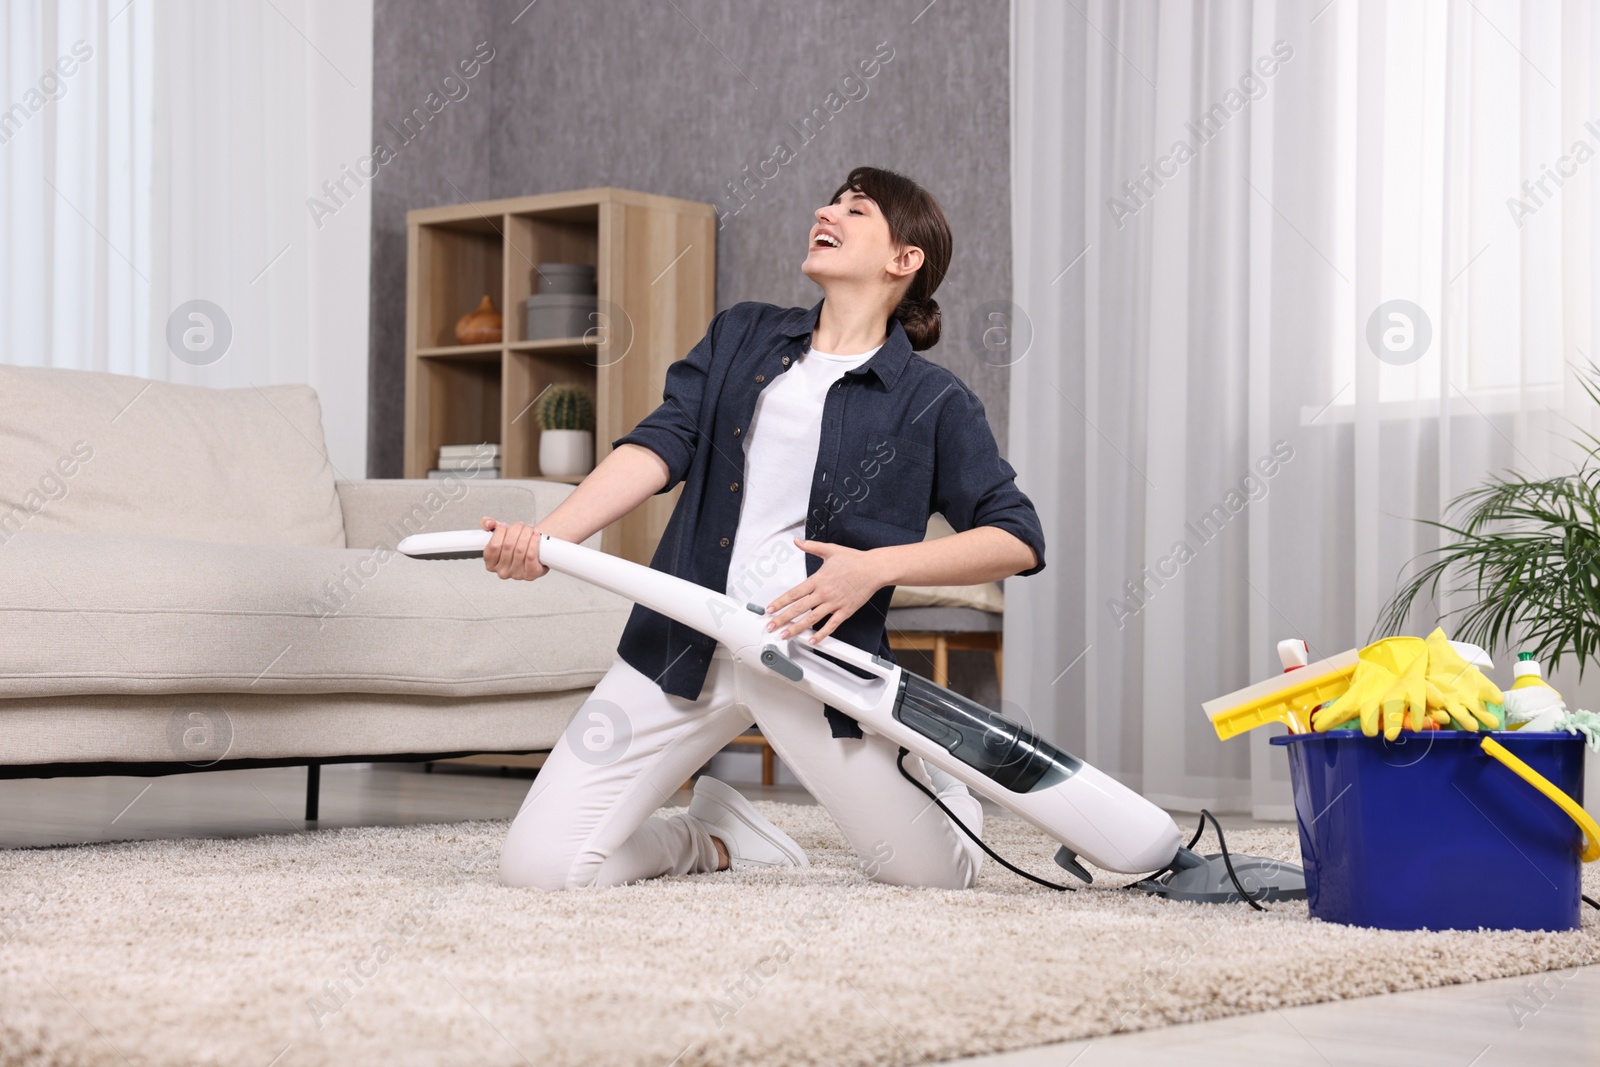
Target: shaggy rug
(398,946)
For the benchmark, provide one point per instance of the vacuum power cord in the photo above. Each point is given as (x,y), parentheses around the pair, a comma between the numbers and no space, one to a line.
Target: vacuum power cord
(1227,861)
(900,761)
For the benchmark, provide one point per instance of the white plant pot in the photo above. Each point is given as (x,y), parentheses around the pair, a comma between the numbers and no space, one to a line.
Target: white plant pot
(566,453)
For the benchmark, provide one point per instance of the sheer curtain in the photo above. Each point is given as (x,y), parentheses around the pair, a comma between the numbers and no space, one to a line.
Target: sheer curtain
(156,154)
(1291,276)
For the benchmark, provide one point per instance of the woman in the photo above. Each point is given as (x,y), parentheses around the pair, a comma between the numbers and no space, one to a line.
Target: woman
(812,447)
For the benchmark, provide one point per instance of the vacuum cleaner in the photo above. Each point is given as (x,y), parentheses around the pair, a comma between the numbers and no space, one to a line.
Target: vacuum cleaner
(1088,813)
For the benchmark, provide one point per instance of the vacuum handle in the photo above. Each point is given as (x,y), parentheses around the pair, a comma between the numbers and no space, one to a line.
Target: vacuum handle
(1591,831)
(714,614)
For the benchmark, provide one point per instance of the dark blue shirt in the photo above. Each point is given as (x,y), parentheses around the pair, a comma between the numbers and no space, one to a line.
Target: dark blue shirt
(901,438)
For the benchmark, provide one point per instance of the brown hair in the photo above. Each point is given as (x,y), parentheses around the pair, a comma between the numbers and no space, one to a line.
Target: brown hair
(915,219)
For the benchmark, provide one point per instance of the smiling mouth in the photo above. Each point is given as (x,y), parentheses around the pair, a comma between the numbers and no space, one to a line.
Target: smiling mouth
(822,241)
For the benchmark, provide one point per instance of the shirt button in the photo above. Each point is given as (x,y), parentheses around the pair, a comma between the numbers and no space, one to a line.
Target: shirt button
(736,431)
(785,361)
(723,542)
(761,377)
(733,488)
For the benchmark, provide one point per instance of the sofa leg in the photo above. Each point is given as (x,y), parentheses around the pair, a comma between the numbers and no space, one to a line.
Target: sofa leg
(313,790)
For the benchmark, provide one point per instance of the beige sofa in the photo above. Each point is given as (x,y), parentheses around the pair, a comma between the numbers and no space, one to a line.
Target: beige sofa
(185,581)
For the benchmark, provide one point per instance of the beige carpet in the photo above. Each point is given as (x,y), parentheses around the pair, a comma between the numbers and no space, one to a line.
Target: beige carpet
(228,952)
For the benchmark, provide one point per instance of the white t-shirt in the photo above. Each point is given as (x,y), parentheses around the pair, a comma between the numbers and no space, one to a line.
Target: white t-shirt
(780,450)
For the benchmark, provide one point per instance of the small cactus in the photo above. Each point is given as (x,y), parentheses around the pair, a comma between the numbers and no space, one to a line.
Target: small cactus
(565,406)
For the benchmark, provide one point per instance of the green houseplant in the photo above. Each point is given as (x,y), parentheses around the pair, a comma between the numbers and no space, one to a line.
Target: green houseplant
(566,420)
(1529,551)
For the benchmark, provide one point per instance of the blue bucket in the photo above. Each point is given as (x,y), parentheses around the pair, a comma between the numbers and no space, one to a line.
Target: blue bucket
(1433,832)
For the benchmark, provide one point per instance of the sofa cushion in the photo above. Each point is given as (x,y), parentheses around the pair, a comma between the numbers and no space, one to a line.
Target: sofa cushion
(985,596)
(87,452)
(97,614)
(201,728)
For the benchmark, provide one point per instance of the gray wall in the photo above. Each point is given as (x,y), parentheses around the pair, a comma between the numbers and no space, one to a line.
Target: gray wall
(678,99)
(630,93)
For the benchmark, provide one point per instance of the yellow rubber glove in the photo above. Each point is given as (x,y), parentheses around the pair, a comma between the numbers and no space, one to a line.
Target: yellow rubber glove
(1383,676)
(1405,705)
(1459,689)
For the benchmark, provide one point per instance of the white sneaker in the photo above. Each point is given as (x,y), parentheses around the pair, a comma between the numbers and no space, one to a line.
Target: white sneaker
(751,839)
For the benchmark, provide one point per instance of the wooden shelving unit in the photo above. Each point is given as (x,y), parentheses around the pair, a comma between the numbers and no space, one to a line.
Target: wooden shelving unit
(655,269)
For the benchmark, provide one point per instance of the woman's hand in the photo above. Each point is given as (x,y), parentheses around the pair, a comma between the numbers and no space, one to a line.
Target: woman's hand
(846,580)
(513,551)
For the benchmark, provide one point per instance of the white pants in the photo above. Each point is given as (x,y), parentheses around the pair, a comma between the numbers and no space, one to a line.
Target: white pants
(587,819)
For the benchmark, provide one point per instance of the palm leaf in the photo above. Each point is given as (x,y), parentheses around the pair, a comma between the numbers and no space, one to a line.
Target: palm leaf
(1528,551)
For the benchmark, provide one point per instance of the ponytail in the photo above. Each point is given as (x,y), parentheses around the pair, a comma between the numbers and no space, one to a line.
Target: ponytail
(921,321)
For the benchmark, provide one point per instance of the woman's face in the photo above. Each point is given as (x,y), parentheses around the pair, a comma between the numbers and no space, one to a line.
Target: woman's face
(850,240)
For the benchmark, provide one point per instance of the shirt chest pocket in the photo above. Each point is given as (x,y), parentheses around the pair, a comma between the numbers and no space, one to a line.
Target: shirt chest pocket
(891,481)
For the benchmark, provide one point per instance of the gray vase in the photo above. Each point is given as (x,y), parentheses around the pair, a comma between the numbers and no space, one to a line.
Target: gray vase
(573,279)
(553,316)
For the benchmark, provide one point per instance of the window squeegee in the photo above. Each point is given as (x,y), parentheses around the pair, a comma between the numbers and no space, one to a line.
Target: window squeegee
(1086,811)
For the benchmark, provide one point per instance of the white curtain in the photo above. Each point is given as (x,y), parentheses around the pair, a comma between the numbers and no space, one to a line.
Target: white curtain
(1212,202)
(155,154)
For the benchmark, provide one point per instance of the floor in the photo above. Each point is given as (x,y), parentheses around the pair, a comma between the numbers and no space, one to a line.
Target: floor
(1476,1025)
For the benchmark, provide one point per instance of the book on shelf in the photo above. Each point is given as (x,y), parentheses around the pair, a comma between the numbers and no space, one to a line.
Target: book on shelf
(465,472)
(488,449)
(464,463)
